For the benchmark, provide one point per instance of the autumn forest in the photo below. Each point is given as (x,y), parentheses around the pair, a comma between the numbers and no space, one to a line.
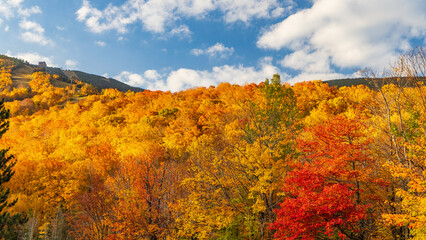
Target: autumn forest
(266,161)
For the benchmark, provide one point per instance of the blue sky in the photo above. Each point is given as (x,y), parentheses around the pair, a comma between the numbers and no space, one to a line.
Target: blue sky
(179,44)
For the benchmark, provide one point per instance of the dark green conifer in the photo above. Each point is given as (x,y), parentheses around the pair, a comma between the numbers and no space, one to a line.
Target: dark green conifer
(9,224)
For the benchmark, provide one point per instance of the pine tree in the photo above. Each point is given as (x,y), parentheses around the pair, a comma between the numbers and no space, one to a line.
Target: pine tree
(8,223)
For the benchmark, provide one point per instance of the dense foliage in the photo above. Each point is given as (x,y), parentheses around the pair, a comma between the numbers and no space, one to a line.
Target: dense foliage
(9,223)
(263,161)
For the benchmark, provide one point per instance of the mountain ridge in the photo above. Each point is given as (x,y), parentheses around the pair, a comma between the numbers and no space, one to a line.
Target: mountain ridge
(22,70)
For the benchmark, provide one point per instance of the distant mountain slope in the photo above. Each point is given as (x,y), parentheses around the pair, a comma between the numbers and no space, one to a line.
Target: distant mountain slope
(22,70)
(348,82)
(362,81)
(21,75)
(103,82)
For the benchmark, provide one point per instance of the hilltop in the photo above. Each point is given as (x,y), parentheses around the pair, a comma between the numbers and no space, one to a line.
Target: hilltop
(22,70)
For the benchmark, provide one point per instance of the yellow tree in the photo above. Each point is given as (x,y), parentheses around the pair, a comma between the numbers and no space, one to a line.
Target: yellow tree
(310,94)
(397,119)
(237,175)
(40,81)
(5,78)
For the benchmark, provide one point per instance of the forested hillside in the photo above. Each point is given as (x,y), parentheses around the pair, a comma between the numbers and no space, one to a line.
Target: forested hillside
(20,73)
(267,161)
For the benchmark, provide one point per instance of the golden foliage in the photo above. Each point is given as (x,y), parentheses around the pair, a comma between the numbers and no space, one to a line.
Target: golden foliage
(207,163)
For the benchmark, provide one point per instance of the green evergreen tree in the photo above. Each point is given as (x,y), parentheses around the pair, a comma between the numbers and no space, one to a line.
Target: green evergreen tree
(9,224)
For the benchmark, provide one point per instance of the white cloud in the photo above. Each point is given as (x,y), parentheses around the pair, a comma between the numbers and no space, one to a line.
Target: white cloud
(26,12)
(184,78)
(160,15)
(60,28)
(100,43)
(33,58)
(311,66)
(182,31)
(116,17)
(33,32)
(13,8)
(35,37)
(279,11)
(71,64)
(323,76)
(7,9)
(29,25)
(132,79)
(217,50)
(6,29)
(304,60)
(152,75)
(246,10)
(197,51)
(346,34)
(14,3)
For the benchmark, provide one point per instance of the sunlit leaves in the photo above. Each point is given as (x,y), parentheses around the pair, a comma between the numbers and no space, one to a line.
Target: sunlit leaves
(222,162)
(327,189)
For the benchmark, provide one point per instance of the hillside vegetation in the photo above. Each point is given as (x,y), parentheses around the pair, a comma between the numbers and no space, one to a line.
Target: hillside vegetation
(21,75)
(266,161)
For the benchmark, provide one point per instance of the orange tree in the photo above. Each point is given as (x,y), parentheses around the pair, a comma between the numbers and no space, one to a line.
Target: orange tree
(328,193)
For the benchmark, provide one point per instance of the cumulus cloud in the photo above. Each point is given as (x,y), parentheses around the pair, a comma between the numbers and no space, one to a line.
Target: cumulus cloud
(158,15)
(182,31)
(247,10)
(346,34)
(33,32)
(71,64)
(33,58)
(185,78)
(29,25)
(152,75)
(116,17)
(8,8)
(14,8)
(26,12)
(138,80)
(323,76)
(311,66)
(100,43)
(217,50)
(307,61)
